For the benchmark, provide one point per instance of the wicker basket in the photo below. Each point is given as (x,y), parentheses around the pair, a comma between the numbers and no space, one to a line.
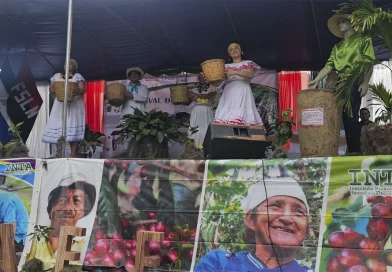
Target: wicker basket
(115,94)
(214,70)
(59,87)
(179,95)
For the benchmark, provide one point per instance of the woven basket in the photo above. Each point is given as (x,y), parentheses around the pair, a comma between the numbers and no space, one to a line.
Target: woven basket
(214,70)
(115,94)
(59,87)
(179,95)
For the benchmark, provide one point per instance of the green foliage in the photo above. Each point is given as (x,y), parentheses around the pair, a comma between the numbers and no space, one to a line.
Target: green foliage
(180,235)
(155,125)
(16,129)
(108,210)
(16,150)
(92,139)
(71,268)
(33,265)
(366,17)
(349,80)
(284,129)
(40,232)
(373,21)
(383,98)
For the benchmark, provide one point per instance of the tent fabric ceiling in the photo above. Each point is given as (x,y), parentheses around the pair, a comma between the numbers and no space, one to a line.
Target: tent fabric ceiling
(112,35)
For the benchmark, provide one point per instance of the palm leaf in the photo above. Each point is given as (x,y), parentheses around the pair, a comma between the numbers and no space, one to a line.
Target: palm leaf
(348,82)
(366,17)
(382,98)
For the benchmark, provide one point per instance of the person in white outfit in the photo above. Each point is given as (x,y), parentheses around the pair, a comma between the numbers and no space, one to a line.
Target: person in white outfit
(237,104)
(137,94)
(75,112)
(202,115)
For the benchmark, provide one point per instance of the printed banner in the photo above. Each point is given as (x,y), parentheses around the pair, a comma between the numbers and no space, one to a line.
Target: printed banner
(358,212)
(162,196)
(16,190)
(67,193)
(289,215)
(260,215)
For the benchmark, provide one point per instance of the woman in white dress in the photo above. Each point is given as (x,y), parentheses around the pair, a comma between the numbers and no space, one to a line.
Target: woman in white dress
(75,112)
(202,115)
(137,94)
(237,104)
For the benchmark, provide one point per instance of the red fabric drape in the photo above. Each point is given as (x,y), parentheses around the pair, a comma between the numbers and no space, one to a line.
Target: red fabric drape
(290,84)
(94,104)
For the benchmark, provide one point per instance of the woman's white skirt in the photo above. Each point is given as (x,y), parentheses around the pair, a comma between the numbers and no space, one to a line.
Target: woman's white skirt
(201,117)
(75,122)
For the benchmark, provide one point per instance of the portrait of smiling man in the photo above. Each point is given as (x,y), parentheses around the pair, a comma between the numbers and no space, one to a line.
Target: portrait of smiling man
(276,225)
(70,201)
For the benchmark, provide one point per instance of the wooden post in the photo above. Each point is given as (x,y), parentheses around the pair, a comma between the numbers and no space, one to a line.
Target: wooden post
(64,253)
(143,258)
(7,248)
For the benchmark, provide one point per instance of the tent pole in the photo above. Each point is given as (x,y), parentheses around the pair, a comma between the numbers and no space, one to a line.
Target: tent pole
(68,53)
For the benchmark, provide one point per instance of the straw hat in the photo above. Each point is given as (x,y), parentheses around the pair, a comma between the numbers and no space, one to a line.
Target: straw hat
(333,24)
(72,61)
(134,69)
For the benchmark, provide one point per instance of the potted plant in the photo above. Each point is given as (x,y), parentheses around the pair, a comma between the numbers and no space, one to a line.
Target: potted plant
(375,138)
(283,132)
(148,133)
(16,148)
(91,140)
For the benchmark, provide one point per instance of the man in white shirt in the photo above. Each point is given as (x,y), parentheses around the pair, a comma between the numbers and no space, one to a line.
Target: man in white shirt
(137,94)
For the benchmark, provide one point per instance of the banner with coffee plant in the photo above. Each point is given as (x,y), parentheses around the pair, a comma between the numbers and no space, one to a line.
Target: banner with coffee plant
(356,226)
(259,214)
(162,196)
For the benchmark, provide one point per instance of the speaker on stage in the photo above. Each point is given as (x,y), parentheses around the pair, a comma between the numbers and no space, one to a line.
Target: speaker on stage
(226,141)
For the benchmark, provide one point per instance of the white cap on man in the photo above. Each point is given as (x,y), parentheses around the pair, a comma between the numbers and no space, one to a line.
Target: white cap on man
(260,191)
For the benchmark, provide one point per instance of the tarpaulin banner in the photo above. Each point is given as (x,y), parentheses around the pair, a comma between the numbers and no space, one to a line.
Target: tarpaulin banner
(291,215)
(66,194)
(260,215)
(16,190)
(356,222)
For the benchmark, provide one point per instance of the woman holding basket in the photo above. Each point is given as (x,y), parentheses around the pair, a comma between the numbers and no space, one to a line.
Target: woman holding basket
(202,115)
(237,105)
(75,111)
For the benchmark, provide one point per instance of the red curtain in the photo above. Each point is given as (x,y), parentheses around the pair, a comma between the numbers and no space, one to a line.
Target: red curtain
(290,83)
(94,104)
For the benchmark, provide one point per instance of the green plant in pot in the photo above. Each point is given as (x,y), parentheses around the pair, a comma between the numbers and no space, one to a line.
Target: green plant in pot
(91,140)
(375,138)
(283,133)
(16,148)
(148,133)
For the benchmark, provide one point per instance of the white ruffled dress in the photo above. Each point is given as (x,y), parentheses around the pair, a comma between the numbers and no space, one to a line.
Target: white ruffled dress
(75,116)
(237,104)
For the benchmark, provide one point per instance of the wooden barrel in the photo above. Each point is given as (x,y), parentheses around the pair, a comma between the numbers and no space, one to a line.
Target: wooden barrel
(179,95)
(115,94)
(318,118)
(214,70)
